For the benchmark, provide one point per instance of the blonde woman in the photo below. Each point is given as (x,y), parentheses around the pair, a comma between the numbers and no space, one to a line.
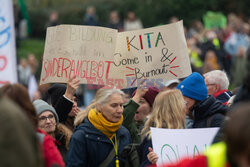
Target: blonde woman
(99,136)
(168,112)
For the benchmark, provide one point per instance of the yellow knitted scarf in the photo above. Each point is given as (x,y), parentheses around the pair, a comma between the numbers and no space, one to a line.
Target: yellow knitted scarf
(100,123)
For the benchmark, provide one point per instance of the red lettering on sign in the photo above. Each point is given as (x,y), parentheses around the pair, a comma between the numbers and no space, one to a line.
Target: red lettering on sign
(3,66)
(108,67)
(83,69)
(4,82)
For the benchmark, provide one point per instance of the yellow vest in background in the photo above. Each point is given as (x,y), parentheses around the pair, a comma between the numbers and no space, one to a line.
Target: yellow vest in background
(216,155)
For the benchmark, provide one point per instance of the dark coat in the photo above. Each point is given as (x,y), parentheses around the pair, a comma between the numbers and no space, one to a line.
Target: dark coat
(62,105)
(209,113)
(144,149)
(89,147)
(129,121)
(223,96)
(62,136)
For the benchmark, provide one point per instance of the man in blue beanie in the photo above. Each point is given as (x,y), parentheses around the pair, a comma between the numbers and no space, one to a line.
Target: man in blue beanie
(205,110)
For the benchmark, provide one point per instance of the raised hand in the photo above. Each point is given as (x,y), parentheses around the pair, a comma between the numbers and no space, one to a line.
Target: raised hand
(72,85)
(74,111)
(139,94)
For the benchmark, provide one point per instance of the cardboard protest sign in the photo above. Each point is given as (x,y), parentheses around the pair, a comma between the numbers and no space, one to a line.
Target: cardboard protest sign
(156,54)
(84,51)
(172,145)
(214,20)
(101,56)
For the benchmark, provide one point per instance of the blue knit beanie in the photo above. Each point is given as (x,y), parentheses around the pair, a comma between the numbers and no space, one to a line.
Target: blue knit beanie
(193,87)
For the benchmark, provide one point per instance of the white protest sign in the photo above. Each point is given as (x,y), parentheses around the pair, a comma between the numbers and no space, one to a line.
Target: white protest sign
(157,54)
(8,72)
(84,51)
(172,145)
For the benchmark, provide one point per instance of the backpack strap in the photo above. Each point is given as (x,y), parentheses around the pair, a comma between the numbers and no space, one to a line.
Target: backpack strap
(110,157)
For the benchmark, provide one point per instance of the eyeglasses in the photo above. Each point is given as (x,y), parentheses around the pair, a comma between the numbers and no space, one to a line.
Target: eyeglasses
(210,84)
(43,118)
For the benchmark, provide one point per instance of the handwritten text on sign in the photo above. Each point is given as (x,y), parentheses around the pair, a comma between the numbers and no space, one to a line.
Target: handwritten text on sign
(152,53)
(101,56)
(84,51)
(173,144)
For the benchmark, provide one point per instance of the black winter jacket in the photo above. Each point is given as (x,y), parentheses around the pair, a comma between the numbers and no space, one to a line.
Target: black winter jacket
(209,113)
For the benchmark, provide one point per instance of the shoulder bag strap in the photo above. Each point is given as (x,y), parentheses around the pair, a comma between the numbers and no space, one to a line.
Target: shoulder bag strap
(110,157)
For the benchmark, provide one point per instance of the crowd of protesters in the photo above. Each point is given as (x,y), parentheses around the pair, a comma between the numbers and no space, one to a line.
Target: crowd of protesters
(43,126)
(108,131)
(209,49)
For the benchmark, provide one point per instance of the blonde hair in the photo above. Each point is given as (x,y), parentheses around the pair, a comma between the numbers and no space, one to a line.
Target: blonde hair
(168,112)
(102,96)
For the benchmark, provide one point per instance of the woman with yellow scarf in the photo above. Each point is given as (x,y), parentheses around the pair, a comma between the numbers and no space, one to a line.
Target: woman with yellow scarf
(99,137)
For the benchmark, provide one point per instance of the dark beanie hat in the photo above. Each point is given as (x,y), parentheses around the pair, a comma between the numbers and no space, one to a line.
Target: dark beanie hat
(150,95)
(193,87)
(55,92)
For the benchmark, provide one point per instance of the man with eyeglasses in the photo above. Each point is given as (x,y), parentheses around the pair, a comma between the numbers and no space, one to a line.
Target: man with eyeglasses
(217,85)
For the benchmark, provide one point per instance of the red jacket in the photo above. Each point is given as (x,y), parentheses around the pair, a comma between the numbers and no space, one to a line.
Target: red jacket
(51,154)
(223,96)
(199,161)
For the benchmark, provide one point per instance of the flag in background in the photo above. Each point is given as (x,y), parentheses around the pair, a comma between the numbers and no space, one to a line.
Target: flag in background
(8,70)
(24,12)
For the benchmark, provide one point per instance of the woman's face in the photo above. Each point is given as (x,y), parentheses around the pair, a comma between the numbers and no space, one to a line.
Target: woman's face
(47,122)
(143,110)
(189,104)
(113,109)
(74,111)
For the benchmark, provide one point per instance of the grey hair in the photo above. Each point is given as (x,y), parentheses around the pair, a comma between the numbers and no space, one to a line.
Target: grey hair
(102,96)
(217,77)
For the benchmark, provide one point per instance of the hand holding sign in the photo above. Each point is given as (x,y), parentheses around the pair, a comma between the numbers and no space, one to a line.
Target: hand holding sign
(152,156)
(72,85)
(139,94)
